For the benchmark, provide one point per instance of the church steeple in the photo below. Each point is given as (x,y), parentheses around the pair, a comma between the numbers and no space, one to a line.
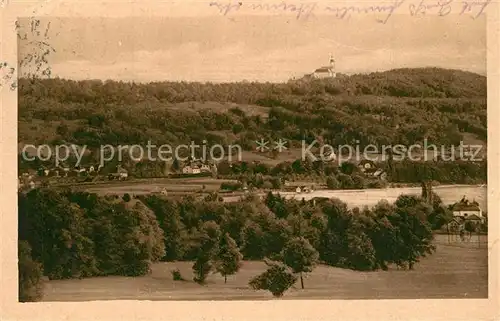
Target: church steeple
(332,66)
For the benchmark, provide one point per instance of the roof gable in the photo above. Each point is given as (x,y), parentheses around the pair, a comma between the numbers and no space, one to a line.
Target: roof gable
(473,217)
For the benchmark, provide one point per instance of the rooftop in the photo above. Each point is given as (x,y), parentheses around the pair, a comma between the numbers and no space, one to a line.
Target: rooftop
(324,69)
(465,205)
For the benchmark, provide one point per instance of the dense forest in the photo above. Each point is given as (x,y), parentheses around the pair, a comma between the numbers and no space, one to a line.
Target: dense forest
(401,106)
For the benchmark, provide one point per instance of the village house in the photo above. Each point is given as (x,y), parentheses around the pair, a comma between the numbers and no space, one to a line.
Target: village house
(205,168)
(162,191)
(64,171)
(307,189)
(464,209)
(457,224)
(380,174)
(42,171)
(122,173)
(80,170)
(304,189)
(191,169)
(25,180)
(54,172)
(367,166)
(329,156)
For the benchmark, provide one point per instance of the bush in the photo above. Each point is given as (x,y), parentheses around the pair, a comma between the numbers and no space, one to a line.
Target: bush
(176,275)
(30,275)
(376,184)
(277,279)
(126,197)
(230,186)
(332,182)
(358,182)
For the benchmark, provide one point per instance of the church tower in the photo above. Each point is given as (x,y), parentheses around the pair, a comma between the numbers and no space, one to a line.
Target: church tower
(333,73)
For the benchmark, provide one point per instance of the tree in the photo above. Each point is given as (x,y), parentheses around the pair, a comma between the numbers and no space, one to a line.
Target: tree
(345,181)
(300,256)
(347,168)
(470,227)
(358,181)
(229,258)
(277,279)
(332,182)
(415,232)
(175,165)
(167,214)
(254,241)
(439,216)
(30,275)
(126,197)
(208,243)
(59,234)
(62,129)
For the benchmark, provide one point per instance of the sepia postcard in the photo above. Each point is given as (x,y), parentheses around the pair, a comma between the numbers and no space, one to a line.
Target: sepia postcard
(250,160)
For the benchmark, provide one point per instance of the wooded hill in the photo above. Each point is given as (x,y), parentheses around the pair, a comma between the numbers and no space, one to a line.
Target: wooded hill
(401,106)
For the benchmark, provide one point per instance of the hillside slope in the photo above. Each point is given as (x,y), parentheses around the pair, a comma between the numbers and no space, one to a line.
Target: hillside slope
(401,106)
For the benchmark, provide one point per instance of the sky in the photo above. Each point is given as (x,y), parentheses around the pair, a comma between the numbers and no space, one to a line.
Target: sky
(255,48)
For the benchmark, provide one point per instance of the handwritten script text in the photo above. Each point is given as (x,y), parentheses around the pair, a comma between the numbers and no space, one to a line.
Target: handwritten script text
(440,8)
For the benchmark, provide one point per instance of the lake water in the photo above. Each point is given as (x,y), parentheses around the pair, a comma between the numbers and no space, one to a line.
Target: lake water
(369,197)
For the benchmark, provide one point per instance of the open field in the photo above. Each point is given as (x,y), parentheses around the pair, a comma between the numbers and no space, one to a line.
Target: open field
(370,197)
(147,186)
(452,272)
(448,193)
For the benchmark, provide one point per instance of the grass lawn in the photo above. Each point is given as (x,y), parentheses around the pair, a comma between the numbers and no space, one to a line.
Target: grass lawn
(452,272)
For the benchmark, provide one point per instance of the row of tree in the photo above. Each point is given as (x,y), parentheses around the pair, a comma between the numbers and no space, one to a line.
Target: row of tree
(348,175)
(76,234)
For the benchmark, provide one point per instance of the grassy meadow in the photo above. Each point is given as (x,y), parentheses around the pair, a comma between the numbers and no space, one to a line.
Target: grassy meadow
(456,270)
